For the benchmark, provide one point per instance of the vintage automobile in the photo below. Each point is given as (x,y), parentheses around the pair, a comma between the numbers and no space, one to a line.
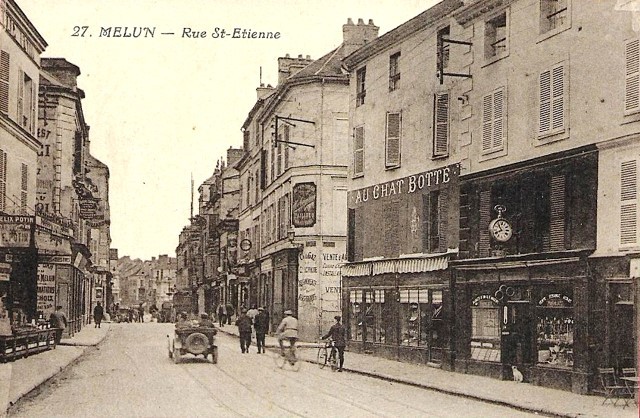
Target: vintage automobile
(193,339)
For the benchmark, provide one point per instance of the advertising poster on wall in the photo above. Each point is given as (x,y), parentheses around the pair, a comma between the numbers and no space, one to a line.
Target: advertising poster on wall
(46,289)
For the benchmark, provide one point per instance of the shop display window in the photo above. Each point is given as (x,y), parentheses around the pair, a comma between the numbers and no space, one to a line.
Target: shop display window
(485,330)
(414,308)
(555,330)
(377,316)
(355,305)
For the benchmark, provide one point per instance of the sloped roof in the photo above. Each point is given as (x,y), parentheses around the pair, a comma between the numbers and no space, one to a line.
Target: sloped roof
(330,65)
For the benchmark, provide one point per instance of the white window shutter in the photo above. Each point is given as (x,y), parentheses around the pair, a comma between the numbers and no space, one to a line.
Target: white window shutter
(487,122)
(632,76)
(4,82)
(393,139)
(629,202)
(498,120)
(545,103)
(20,108)
(441,128)
(557,116)
(358,150)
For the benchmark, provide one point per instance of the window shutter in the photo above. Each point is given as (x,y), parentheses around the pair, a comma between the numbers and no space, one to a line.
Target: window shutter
(358,153)
(3,179)
(393,139)
(34,101)
(20,109)
(263,169)
(557,216)
(487,122)
(552,98)
(498,120)
(443,222)
(4,82)
(24,186)
(484,244)
(286,147)
(632,76)
(545,102)
(628,202)
(441,126)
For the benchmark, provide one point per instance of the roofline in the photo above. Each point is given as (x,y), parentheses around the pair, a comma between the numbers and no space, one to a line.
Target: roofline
(42,43)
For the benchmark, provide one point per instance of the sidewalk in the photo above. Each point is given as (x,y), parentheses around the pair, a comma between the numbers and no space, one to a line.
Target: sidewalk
(21,376)
(523,396)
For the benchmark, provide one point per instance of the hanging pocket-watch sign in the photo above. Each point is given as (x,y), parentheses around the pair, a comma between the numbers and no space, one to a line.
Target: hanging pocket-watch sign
(500,228)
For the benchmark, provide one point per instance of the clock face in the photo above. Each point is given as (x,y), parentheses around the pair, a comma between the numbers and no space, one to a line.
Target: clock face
(501,230)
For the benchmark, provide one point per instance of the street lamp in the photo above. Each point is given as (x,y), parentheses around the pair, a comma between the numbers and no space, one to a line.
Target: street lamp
(291,236)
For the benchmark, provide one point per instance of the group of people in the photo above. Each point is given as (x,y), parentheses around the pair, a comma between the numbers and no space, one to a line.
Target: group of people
(258,318)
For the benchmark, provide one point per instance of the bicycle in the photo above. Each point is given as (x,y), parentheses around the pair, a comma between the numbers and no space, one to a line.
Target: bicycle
(288,357)
(327,354)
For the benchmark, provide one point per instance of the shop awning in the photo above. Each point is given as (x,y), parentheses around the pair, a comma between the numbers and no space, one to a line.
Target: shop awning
(356,269)
(415,263)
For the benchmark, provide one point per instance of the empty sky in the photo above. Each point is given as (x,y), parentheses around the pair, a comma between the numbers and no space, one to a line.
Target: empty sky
(162,108)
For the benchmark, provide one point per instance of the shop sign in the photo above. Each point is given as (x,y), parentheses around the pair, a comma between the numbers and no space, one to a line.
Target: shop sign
(55,259)
(46,288)
(477,299)
(303,205)
(5,272)
(411,184)
(15,231)
(89,209)
(555,300)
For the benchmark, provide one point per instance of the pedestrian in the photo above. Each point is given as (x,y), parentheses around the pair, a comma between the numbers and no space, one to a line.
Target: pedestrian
(98,314)
(338,334)
(58,320)
(205,321)
(141,313)
(244,329)
(230,312)
(261,325)
(130,315)
(222,314)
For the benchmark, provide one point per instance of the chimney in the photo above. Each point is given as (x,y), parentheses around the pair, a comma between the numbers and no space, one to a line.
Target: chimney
(356,36)
(64,71)
(234,155)
(288,66)
(264,91)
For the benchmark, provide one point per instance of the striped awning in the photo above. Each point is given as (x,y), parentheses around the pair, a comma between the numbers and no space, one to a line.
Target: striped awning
(419,265)
(384,266)
(356,269)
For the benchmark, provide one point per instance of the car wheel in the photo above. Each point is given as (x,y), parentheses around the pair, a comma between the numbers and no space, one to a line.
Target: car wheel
(196,343)
(214,355)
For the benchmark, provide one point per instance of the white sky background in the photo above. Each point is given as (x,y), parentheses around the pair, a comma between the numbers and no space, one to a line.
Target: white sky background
(165,107)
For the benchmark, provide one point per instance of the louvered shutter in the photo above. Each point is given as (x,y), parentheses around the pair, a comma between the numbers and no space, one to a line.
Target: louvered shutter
(393,139)
(552,101)
(443,220)
(34,101)
(4,82)
(557,218)
(358,151)
(20,108)
(24,188)
(487,122)
(3,179)
(286,148)
(441,125)
(484,244)
(498,120)
(632,76)
(629,202)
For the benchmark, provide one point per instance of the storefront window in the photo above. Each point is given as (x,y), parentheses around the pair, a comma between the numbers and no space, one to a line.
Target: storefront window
(377,316)
(485,329)
(414,322)
(555,330)
(355,304)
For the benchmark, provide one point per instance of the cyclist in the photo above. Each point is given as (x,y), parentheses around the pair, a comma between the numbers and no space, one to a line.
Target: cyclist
(288,330)
(338,333)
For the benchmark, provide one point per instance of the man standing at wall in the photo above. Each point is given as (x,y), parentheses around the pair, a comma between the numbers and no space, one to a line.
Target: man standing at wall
(98,314)
(58,319)
(244,328)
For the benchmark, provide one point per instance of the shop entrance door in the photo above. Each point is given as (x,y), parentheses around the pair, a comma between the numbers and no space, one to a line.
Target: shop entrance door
(516,336)
(622,340)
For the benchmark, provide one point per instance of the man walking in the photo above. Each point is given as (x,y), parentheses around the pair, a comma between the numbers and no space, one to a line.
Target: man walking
(222,314)
(58,320)
(244,328)
(338,334)
(98,314)
(141,313)
(261,325)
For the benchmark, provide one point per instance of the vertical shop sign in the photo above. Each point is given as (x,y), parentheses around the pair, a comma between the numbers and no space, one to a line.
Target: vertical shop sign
(46,288)
(303,205)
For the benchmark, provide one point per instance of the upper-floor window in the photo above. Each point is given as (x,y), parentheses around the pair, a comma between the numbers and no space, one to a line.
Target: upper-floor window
(392,146)
(493,121)
(394,71)
(552,94)
(554,14)
(246,135)
(4,82)
(361,92)
(257,186)
(26,102)
(358,151)
(443,53)
(632,76)
(495,36)
(629,203)
(441,125)
(3,180)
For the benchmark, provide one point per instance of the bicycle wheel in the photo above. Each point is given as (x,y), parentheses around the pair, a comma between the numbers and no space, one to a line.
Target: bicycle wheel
(294,362)
(322,357)
(333,360)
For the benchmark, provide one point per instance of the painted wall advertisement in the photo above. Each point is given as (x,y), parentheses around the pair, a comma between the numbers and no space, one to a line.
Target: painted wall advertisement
(15,231)
(46,288)
(303,205)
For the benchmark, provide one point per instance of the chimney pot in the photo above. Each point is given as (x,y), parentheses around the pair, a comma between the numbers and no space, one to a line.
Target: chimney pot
(299,55)
(308,57)
(287,56)
(360,21)
(349,21)
(371,22)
